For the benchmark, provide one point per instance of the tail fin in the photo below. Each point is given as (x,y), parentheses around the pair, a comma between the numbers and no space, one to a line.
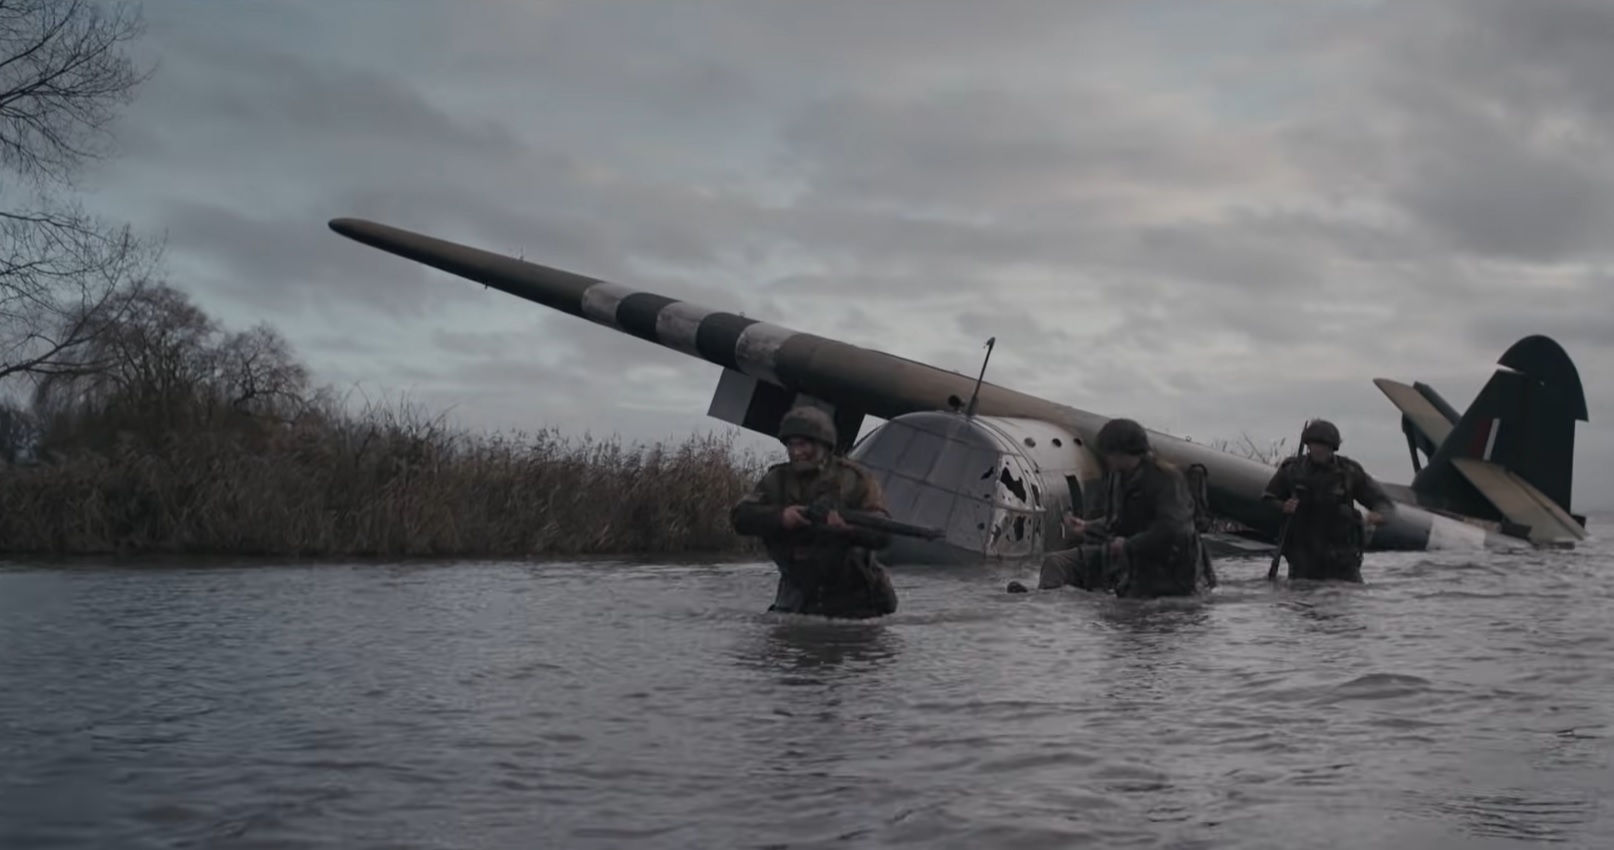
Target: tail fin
(1511,455)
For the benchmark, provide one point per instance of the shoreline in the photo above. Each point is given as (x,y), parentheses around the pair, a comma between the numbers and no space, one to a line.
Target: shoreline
(161,561)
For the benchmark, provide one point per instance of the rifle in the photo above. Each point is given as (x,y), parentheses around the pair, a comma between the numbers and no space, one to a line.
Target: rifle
(819,515)
(1288,519)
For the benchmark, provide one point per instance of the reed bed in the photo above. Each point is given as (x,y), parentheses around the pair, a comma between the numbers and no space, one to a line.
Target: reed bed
(381,483)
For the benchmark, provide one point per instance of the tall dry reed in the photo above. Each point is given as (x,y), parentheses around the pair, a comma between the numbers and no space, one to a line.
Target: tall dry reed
(379,483)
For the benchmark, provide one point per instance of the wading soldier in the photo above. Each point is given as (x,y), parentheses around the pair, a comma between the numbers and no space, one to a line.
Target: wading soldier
(828,567)
(1319,491)
(1147,545)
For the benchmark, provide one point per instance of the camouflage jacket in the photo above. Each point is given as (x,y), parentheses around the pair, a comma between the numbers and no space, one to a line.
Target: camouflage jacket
(1153,509)
(1327,506)
(839,484)
(826,571)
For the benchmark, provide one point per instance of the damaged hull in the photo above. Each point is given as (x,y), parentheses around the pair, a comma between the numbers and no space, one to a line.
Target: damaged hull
(1001,485)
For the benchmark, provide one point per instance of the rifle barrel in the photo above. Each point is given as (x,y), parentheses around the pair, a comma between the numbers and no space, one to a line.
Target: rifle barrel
(879,522)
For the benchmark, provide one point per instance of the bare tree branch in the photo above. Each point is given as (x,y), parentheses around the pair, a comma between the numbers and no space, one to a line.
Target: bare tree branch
(63,74)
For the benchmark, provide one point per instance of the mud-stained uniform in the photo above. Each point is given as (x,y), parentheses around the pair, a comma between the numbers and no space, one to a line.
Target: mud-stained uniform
(822,571)
(1327,540)
(1163,554)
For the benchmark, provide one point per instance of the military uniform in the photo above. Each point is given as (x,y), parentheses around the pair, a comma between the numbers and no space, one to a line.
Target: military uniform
(1152,508)
(1327,540)
(831,572)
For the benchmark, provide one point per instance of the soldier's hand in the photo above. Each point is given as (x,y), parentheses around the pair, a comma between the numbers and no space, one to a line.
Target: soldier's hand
(1373,518)
(1117,546)
(1074,524)
(791,517)
(1289,506)
(833,520)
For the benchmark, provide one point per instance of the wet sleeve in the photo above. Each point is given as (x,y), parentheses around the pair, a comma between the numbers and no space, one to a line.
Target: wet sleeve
(1173,515)
(1279,488)
(758,513)
(1370,493)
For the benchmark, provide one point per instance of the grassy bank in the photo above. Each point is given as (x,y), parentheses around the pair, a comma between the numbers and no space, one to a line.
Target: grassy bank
(172,435)
(378,484)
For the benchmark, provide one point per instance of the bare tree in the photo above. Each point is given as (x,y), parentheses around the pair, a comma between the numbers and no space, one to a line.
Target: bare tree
(257,373)
(150,347)
(160,359)
(63,73)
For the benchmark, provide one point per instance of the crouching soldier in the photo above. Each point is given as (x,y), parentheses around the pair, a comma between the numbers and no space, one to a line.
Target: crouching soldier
(1153,547)
(828,567)
(1319,492)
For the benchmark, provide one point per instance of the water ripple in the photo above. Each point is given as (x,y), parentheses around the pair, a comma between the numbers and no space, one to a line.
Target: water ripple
(1448,703)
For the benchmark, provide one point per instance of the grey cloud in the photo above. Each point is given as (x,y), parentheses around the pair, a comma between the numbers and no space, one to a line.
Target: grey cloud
(277,89)
(460,212)
(574,389)
(981,150)
(558,48)
(234,88)
(728,45)
(1226,253)
(293,265)
(1536,57)
(1020,325)
(558,356)
(1583,323)
(557,216)
(287,266)
(858,321)
(341,345)
(994,181)
(936,175)
(1488,125)
(471,343)
(1492,192)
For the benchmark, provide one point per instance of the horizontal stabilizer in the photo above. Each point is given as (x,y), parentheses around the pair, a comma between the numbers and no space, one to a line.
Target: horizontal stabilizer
(1520,502)
(1433,424)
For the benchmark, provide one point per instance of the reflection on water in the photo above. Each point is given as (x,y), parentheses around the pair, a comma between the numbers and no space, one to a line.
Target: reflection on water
(812,644)
(1154,618)
(1442,705)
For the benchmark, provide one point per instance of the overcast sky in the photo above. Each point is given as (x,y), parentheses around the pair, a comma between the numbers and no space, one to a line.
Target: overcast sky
(1216,217)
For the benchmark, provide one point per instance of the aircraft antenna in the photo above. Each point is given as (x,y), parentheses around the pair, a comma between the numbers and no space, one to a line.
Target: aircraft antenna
(976,393)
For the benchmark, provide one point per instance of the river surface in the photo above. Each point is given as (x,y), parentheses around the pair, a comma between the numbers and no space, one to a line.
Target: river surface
(1450,702)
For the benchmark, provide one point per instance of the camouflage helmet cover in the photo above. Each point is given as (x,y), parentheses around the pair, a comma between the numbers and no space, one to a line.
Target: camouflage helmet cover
(810,423)
(1123,437)
(1321,431)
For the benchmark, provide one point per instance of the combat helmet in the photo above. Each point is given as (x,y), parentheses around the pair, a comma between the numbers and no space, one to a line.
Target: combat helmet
(808,422)
(1123,437)
(1321,431)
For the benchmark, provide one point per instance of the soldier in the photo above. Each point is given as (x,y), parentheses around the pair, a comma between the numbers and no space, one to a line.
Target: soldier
(1153,547)
(1318,491)
(827,568)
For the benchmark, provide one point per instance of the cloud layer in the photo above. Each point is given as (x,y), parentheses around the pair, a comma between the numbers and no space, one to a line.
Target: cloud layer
(1218,217)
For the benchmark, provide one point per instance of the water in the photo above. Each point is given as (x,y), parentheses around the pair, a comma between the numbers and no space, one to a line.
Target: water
(1445,704)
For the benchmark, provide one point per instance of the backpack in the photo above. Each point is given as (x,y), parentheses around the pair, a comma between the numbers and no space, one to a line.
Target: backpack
(1199,488)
